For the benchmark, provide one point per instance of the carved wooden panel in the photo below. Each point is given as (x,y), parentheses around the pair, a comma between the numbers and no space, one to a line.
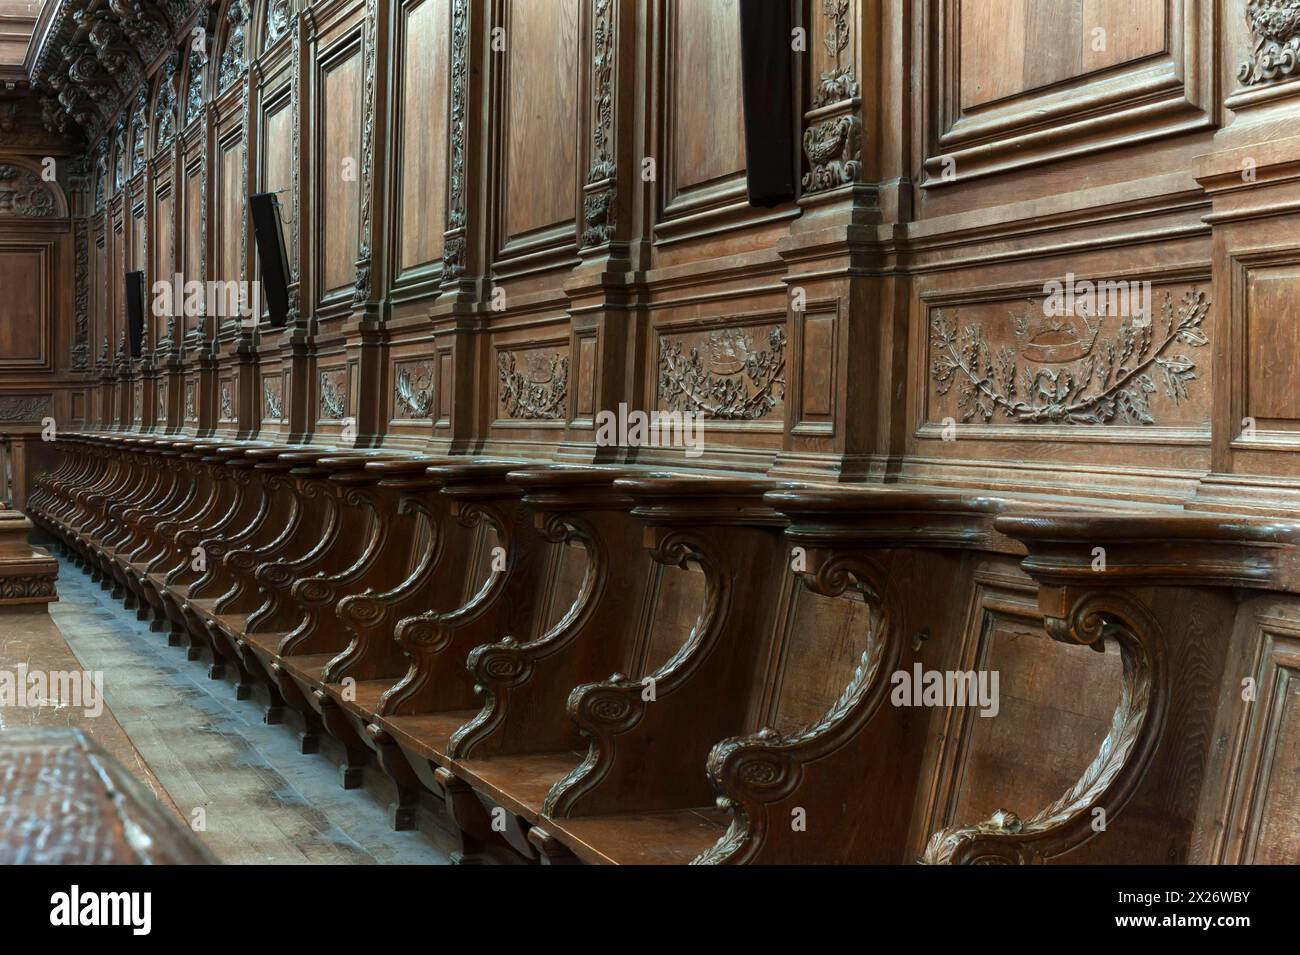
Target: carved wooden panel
(1261,814)
(704,122)
(823,646)
(1020,82)
(272,399)
(730,372)
(277,159)
(334,398)
(533,383)
(1116,354)
(1265,289)
(1015,46)
(1023,758)
(413,389)
(192,244)
(164,248)
(230,210)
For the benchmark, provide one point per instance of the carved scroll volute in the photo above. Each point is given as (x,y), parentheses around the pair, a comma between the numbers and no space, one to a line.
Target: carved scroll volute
(497,667)
(753,774)
(1094,619)
(425,635)
(606,709)
(367,615)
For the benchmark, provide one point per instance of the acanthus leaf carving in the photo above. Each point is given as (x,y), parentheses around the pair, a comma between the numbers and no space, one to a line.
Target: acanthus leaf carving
(599,203)
(834,151)
(453,254)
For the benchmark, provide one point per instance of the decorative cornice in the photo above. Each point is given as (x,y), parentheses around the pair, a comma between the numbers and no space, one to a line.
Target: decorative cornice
(92,56)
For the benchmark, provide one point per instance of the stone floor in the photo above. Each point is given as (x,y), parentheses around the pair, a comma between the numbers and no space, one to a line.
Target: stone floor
(258,798)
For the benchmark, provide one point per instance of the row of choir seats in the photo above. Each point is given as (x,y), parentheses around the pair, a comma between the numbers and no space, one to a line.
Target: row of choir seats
(608,664)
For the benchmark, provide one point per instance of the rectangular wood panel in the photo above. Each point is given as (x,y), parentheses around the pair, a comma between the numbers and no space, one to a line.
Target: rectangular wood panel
(1013,46)
(23,307)
(708,124)
(339,130)
(541,150)
(423,130)
(230,205)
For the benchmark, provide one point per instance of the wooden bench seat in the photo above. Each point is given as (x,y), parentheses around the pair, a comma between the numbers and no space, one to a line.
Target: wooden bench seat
(663,668)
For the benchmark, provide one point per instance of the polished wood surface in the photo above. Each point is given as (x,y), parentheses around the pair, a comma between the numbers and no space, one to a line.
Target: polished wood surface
(509,222)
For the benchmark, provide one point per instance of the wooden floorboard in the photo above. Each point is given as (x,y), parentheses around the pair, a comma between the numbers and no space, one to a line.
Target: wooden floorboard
(264,802)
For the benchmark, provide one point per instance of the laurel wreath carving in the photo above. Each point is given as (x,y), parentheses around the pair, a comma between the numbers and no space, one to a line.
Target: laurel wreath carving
(1112,383)
(1112,757)
(522,397)
(686,383)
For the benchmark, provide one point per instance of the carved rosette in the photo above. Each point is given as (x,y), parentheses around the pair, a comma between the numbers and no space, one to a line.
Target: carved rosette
(1275,25)
(28,588)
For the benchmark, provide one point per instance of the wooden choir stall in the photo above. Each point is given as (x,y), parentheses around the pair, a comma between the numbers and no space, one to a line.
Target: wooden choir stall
(691,431)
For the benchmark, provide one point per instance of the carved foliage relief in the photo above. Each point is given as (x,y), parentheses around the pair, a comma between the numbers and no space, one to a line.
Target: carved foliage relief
(272,399)
(1096,364)
(1275,26)
(735,374)
(22,193)
(832,144)
(334,394)
(533,384)
(24,407)
(413,389)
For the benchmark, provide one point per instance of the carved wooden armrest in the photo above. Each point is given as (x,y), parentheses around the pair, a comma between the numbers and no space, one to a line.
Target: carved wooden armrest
(1096,573)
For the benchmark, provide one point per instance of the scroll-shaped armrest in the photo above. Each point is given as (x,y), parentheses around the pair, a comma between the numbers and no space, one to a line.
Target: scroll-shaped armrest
(1159,588)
